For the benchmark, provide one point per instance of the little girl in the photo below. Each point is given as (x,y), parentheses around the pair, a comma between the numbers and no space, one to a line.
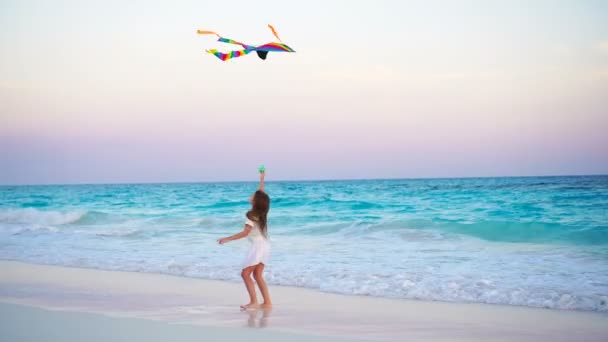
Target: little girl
(256,230)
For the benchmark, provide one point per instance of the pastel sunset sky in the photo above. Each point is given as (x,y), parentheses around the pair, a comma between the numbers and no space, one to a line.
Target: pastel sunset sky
(122,91)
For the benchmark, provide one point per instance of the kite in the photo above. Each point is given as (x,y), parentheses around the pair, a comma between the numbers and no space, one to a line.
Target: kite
(261,50)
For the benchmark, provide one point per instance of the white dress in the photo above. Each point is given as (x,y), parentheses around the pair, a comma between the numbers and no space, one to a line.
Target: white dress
(260,246)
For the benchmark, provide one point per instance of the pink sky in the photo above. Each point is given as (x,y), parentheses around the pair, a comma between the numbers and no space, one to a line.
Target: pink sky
(103,92)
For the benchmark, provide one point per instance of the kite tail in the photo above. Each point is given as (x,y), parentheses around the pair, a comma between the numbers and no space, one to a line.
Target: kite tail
(274,32)
(226,56)
(207,32)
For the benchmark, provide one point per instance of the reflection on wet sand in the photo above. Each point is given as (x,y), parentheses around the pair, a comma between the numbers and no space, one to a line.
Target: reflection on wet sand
(258,318)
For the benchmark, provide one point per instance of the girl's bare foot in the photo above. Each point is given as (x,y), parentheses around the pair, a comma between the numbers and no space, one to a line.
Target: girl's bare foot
(266,306)
(249,306)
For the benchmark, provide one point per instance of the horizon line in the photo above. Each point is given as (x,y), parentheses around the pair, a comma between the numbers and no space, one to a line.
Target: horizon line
(304,180)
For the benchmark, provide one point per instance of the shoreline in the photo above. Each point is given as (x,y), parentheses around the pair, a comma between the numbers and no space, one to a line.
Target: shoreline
(295,288)
(213,303)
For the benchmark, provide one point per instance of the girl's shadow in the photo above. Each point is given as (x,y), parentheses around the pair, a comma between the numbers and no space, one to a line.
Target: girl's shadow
(258,318)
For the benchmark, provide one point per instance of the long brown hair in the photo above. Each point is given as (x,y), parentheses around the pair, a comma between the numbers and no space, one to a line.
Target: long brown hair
(259,210)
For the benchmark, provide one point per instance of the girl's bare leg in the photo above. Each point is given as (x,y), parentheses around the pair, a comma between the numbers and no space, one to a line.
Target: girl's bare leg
(258,274)
(253,300)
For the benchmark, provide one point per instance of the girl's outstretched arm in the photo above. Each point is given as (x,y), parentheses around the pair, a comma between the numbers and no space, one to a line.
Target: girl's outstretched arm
(262,175)
(236,236)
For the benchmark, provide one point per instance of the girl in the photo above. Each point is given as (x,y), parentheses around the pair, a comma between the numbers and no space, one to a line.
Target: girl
(256,230)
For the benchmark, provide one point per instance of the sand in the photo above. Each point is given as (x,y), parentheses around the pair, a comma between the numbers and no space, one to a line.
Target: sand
(54,303)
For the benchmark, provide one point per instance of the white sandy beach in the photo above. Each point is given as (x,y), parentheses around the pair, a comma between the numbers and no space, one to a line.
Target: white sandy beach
(127,306)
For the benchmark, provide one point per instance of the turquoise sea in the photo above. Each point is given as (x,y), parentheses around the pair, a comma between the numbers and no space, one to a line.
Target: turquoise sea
(530,241)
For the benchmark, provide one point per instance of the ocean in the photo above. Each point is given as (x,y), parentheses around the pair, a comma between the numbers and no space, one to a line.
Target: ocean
(527,241)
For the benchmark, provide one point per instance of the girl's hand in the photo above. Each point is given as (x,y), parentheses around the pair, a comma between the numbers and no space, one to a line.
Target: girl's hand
(222,241)
(262,174)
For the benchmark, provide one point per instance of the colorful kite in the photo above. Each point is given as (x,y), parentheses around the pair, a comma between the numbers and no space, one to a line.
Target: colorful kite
(261,50)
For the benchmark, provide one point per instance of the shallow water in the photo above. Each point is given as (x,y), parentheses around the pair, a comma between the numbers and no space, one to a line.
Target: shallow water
(534,241)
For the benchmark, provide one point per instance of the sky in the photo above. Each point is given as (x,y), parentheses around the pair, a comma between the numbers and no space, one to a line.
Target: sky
(122,91)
